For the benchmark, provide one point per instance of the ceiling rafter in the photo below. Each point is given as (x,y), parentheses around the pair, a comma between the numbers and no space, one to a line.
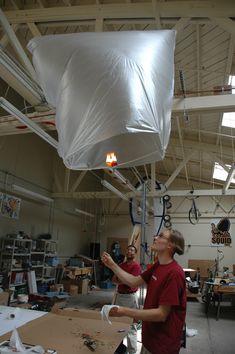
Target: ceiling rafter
(156,11)
(182,147)
(42,3)
(5,39)
(172,193)
(17,46)
(34,29)
(171,9)
(177,171)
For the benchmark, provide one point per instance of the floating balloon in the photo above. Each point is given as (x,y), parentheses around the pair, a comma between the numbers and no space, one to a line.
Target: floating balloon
(112,92)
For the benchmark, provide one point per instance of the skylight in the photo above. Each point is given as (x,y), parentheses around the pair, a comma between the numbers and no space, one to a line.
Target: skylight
(229,117)
(220,173)
(231,81)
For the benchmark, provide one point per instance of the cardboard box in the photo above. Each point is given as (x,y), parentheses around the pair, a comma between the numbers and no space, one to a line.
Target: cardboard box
(4,297)
(73,290)
(71,284)
(83,286)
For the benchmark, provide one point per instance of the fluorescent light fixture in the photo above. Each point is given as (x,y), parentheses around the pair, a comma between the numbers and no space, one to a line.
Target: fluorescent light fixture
(118,175)
(31,194)
(7,106)
(80,211)
(122,179)
(20,74)
(109,186)
(220,173)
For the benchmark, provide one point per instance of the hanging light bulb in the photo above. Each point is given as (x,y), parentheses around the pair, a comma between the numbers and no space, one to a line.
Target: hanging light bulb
(111,159)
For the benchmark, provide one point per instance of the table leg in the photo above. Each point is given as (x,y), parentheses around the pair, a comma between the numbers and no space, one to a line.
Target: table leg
(218,306)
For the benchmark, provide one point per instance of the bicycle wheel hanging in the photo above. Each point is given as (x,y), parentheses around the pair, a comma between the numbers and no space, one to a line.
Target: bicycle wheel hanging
(160,206)
(194,216)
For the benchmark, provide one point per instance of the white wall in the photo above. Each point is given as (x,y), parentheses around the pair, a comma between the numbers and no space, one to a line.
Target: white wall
(28,161)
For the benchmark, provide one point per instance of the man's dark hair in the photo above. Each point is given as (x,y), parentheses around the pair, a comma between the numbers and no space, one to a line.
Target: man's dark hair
(132,247)
(178,241)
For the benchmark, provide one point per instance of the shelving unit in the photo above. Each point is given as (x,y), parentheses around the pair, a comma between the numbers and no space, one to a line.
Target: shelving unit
(18,256)
(50,261)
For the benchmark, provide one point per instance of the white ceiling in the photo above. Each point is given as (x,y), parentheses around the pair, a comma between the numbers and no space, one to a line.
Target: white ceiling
(204,54)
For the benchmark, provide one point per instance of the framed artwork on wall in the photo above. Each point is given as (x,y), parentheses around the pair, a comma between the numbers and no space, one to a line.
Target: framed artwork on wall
(10,206)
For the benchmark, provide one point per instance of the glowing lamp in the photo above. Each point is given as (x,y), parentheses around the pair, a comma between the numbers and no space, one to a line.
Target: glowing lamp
(111,159)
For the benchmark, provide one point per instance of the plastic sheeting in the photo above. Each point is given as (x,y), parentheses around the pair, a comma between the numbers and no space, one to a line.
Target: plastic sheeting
(112,92)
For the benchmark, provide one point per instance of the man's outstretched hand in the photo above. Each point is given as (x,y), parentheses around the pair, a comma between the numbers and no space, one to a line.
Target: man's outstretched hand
(107,260)
(117,312)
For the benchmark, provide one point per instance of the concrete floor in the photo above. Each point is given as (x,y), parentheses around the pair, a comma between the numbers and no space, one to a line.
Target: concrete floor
(214,337)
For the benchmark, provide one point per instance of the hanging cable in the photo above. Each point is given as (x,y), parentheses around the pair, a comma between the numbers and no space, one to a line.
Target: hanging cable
(183,91)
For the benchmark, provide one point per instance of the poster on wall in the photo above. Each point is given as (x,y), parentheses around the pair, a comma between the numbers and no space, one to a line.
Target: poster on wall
(10,206)
(220,232)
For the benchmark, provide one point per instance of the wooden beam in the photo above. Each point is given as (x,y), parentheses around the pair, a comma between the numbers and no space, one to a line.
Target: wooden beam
(57,183)
(229,178)
(182,147)
(78,181)
(222,103)
(181,23)
(177,171)
(99,24)
(17,46)
(172,193)
(206,148)
(42,3)
(226,23)
(156,12)
(34,29)
(66,180)
(172,9)
(5,39)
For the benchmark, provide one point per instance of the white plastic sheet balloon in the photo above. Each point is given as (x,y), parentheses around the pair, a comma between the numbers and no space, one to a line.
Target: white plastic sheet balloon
(112,92)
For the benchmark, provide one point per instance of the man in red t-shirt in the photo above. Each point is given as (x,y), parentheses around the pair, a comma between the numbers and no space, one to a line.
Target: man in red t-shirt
(164,311)
(127,296)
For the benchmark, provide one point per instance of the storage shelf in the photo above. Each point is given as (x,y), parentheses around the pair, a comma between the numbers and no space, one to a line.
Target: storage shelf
(18,270)
(10,253)
(16,254)
(48,279)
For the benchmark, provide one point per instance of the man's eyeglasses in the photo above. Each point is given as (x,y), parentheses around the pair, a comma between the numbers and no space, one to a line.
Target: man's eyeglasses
(161,235)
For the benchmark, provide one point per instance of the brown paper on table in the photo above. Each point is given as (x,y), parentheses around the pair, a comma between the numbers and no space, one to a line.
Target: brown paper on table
(64,333)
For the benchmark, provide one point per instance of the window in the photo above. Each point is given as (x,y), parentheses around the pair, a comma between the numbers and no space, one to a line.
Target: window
(220,173)
(228,119)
